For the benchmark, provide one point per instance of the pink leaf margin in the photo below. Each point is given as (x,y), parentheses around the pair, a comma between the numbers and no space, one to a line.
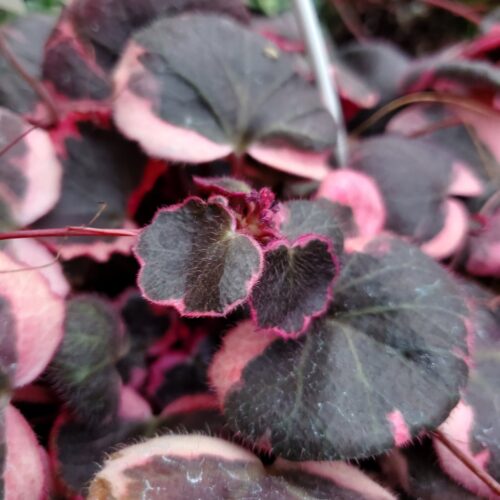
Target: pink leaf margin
(179,304)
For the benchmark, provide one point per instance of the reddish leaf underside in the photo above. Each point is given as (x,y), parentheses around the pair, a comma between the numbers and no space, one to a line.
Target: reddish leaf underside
(205,102)
(208,268)
(396,315)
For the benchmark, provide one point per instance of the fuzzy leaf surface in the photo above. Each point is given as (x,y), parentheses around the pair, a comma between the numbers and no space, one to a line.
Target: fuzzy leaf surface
(213,87)
(207,267)
(321,217)
(83,370)
(384,364)
(195,466)
(295,286)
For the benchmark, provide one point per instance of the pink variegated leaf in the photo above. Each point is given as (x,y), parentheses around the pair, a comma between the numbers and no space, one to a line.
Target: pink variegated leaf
(208,267)
(204,103)
(395,315)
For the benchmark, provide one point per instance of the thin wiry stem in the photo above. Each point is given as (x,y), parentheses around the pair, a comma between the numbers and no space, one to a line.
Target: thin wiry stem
(472,465)
(316,47)
(67,231)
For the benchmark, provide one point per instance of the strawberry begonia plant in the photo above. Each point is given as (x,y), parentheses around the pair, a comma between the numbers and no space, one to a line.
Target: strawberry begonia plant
(189,276)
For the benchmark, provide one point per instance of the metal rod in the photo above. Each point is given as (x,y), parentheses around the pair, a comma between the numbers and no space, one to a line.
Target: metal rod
(316,47)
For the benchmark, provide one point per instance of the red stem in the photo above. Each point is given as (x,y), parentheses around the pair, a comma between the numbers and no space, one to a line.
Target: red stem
(457,9)
(67,231)
(470,464)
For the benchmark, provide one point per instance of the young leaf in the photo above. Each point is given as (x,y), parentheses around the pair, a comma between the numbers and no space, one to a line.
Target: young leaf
(207,267)
(30,173)
(209,87)
(331,394)
(25,37)
(321,217)
(295,286)
(35,325)
(83,369)
(100,166)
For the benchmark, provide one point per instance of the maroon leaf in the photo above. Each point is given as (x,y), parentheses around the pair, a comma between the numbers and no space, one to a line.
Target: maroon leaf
(83,370)
(295,286)
(36,317)
(25,37)
(30,174)
(414,178)
(207,267)
(209,87)
(100,166)
(396,315)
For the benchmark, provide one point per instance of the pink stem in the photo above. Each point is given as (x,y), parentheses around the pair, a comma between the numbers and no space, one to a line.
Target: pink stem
(67,231)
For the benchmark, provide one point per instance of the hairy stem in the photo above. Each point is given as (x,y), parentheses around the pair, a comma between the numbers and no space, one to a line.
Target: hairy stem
(468,462)
(67,231)
(316,47)
(37,87)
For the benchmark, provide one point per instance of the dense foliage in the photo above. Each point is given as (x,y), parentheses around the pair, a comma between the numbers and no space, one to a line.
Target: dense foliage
(206,289)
